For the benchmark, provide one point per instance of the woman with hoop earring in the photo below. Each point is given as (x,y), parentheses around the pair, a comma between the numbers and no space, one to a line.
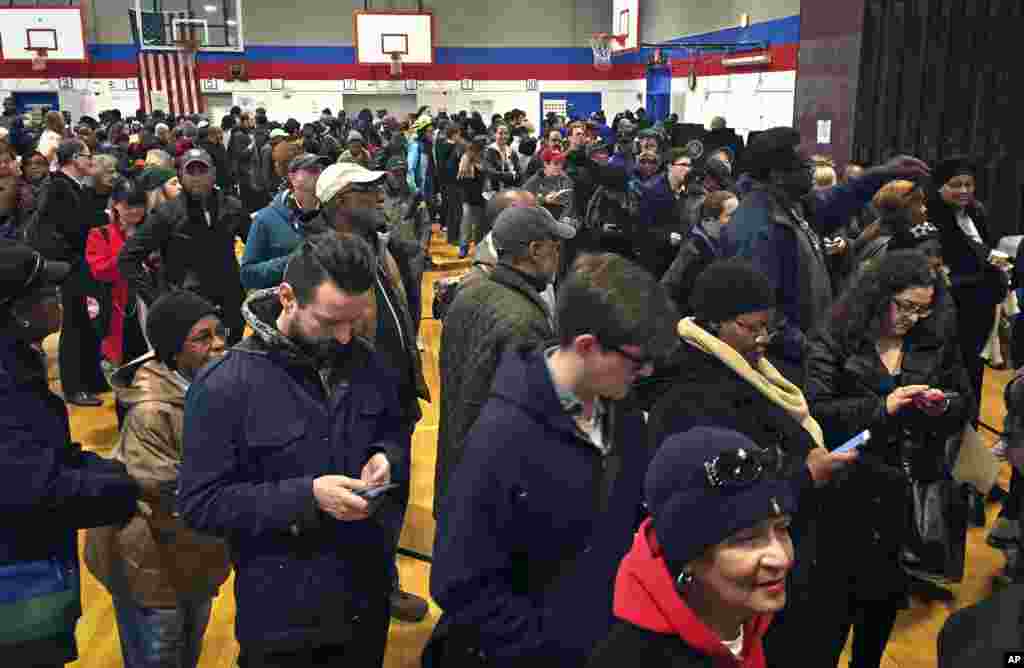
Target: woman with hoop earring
(707,570)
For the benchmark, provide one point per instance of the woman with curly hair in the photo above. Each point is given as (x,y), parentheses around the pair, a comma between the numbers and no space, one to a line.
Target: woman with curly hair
(887,361)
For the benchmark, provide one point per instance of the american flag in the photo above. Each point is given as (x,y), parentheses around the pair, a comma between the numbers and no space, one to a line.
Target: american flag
(173,74)
(167,73)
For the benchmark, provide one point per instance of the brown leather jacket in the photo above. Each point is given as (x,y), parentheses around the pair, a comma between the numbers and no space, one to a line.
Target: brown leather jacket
(154,559)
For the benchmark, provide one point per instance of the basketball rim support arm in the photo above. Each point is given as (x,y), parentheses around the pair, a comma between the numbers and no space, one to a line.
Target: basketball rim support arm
(706,46)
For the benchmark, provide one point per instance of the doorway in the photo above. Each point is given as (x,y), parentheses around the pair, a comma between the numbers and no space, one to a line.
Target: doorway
(659,93)
(30,102)
(575,105)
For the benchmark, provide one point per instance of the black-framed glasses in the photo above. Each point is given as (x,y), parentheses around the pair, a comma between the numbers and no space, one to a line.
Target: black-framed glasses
(206,338)
(682,164)
(910,308)
(742,467)
(639,361)
(762,332)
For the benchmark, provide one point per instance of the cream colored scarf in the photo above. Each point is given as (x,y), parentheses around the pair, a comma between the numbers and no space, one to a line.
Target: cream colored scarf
(765,378)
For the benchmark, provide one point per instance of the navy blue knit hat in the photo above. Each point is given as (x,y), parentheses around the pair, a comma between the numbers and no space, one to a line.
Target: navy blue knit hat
(691,514)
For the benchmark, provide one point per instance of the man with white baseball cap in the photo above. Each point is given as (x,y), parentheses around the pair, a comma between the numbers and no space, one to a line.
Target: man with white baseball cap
(351,200)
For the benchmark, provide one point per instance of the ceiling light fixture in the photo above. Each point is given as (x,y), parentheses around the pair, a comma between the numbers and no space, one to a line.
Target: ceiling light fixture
(210,9)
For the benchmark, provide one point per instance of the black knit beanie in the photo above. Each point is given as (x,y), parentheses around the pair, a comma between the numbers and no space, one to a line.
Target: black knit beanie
(170,319)
(729,288)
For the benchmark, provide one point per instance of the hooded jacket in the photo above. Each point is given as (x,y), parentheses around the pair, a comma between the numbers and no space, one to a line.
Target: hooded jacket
(261,423)
(658,629)
(154,559)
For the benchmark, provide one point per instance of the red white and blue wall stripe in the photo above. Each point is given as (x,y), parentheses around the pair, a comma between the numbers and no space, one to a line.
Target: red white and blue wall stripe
(510,63)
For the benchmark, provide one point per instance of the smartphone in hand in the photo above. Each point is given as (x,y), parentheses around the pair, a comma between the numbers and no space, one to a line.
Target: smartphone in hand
(855,442)
(931,397)
(374,495)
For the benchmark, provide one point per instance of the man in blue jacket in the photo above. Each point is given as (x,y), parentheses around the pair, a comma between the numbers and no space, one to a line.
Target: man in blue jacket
(546,498)
(281,225)
(281,436)
(780,225)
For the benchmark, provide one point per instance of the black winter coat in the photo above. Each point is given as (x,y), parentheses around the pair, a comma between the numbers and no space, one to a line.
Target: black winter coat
(49,486)
(979,635)
(699,390)
(694,256)
(62,220)
(195,257)
(859,545)
(630,645)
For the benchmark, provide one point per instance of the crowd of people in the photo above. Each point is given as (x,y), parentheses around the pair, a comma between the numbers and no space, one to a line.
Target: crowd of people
(649,378)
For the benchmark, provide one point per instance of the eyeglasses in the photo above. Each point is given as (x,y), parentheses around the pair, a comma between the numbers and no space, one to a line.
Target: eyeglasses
(910,308)
(762,332)
(364,188)
(639,361)
(204,339)
(682,164)
(742,467)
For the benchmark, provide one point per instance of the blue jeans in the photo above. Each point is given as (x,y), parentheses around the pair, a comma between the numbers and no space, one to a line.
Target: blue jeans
(161,637)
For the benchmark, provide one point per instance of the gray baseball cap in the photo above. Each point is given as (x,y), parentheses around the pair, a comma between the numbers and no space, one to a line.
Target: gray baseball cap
(521,225)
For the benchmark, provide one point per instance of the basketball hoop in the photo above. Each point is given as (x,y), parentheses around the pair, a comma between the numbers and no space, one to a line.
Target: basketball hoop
(601,44)
(189,47)
(395,68)
(39,60)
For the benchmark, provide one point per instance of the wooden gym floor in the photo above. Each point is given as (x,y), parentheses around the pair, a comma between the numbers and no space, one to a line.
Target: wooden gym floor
(912,644)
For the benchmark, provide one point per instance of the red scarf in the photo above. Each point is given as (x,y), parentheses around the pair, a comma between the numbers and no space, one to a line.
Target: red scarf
(645,595)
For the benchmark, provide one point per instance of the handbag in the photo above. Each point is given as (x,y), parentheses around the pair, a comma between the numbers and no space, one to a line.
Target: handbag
(38,600)
(975,464)
(935,539)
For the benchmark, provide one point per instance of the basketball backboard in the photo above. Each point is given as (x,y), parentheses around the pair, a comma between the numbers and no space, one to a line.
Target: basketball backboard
(26,31)
(626,21)
(161,25)
(378,33)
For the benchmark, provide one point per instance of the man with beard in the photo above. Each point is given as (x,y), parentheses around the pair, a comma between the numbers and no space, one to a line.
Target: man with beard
(195,234)
(777,227)
(351,198)
(281,437)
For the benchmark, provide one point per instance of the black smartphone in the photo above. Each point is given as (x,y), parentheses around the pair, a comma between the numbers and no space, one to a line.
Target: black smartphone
(374,495)
(375,491)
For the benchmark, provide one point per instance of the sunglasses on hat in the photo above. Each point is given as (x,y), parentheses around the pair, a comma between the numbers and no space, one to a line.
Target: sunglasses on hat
(742,467)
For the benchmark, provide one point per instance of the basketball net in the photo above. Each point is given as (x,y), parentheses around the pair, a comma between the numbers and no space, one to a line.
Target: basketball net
(601,44)
(39,60)
(395,68)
